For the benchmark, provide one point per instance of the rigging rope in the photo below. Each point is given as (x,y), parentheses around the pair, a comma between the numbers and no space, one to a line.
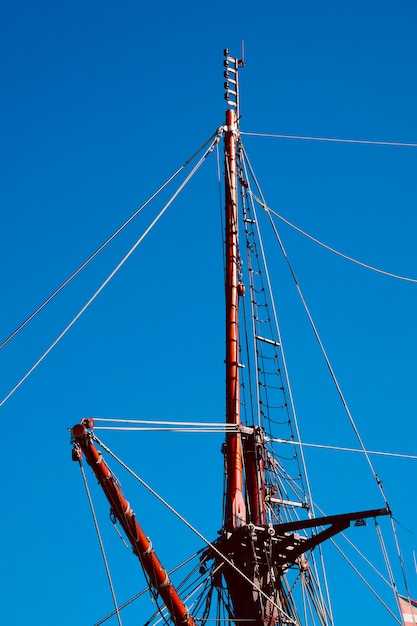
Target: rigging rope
(343,449)
(344,402)
(387,563)
(365,582)
(216,427)
(248,165)
(143,591)
(400,144)
(337,252)
(232,428)
(338,387)
(326,358)
(100,540)
(66,282)
(112,274)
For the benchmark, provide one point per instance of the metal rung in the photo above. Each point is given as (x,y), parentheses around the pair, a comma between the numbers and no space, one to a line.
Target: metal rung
(286,502)
(270,341)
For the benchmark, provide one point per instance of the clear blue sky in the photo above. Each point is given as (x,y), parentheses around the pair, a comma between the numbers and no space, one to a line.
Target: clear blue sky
(100,103)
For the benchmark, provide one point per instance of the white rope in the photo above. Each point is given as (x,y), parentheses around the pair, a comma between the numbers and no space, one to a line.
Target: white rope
(143,591)
(365,582)
(283,355)
(231,428)
(343,449)
(218,132)
(337,385)
(337,252)
(400,144)
(327,360)
(207,427)
(165,430)
(342,398)
(163,423)
(100,540)
(108,279)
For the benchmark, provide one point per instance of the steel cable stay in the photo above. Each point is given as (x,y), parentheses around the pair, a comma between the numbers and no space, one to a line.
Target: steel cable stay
(85,263)
(365,582)
(145,590)
(332,373)
(113,273)
(291,442)
(388,564)
(249,173)
(370,142)
(333,250)
(193,607)
(345,405)
(263,359)
(320,343)
(344,449)
(192,588)
(207,427)
(100,540)
(260,309)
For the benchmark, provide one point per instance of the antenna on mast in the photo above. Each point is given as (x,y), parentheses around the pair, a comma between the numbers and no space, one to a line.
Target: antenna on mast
(231,85)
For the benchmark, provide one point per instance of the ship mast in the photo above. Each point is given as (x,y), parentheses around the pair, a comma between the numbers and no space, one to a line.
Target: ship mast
(252,555)
(235,513)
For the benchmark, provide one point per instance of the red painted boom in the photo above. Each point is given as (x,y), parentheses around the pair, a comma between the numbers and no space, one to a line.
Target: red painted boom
(141,545)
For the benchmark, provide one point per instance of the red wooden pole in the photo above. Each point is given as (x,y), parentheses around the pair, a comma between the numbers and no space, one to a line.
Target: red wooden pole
(141,545)
(235,505)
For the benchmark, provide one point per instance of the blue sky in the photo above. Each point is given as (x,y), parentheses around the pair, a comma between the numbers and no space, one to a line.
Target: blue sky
(101,103)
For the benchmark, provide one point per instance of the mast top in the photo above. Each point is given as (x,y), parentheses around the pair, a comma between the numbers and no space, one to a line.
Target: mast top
(231,85)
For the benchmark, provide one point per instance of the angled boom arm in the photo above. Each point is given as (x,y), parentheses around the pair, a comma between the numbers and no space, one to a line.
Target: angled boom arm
(121,509)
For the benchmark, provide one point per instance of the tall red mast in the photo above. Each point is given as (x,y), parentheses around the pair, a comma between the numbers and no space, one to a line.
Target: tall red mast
(235,506)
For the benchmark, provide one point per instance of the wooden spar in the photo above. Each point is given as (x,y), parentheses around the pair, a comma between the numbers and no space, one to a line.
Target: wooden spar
(235,514)
(121,509)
